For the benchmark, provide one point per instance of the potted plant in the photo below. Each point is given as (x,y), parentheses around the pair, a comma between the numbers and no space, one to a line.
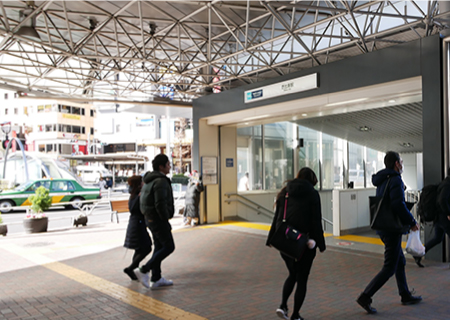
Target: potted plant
(3,227)
(36,220)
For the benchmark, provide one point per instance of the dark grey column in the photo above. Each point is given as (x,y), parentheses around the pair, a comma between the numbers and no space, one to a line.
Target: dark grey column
(432,117)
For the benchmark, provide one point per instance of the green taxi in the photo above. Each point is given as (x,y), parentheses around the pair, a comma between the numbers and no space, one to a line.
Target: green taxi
(61,190)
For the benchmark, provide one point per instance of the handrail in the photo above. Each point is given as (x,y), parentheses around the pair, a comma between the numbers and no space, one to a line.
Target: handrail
(258,206)
(327,221)
(251,207)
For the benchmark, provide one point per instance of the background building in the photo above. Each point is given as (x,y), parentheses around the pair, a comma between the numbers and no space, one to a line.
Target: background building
(49,126)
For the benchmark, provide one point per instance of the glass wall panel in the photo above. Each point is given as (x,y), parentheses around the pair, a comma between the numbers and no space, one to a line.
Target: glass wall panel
(340,162)
(356,165)
(332,162)
(309,153)
(249,158)
(374,163)
(324,154)
(278,153)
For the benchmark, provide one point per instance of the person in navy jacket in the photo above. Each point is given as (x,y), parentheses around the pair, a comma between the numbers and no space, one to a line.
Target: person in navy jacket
(394,260)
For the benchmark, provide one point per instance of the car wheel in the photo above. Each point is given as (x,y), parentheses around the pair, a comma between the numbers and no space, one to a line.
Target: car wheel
(76,203)
(6,206)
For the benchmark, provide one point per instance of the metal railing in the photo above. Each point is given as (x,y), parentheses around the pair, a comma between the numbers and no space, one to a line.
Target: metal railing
(87,209)
(250,204)
(259,208)
(413,196)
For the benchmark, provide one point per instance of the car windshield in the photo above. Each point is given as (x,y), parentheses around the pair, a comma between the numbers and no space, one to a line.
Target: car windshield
(24,186)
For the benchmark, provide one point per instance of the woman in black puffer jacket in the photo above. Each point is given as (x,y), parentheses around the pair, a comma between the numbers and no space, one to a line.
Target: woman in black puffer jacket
(303,213)
(137,237)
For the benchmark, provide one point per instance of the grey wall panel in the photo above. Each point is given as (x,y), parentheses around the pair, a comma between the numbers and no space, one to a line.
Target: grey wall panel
(390,64)
(432,122)
(393,63)
(432,92)
(422,57)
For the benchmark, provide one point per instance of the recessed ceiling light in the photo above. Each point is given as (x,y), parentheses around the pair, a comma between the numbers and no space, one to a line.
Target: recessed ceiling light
(246,123)
(407,145)
(391,101)
(304,114)
(256,117)
(364,129)
(345,102)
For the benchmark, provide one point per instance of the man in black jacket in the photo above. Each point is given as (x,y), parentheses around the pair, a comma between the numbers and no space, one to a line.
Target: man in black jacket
(394,260)
(156,202)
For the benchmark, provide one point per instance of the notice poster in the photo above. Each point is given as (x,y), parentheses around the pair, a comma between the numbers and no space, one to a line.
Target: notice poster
(209,170)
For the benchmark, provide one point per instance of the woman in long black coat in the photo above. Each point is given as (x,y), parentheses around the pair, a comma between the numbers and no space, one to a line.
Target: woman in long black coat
(137,237)
(303,212)
(192,201)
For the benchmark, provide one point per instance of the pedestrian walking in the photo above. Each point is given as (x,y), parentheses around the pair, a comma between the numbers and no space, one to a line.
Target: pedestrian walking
(303,213)
(137,237)
(102,183)
(157,205)
(441,224)
(394,259)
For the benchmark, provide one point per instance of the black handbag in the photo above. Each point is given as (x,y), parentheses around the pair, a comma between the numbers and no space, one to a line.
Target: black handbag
(289,240)
(381,216)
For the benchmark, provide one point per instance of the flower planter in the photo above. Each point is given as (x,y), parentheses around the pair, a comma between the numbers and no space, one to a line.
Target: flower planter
(82,220)
(3,229)
(34,225)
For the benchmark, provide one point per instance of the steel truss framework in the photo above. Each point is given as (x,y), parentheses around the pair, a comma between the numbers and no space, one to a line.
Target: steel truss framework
(181,50)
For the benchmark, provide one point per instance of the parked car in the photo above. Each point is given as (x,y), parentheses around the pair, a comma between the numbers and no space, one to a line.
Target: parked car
(92,174)
(61,190)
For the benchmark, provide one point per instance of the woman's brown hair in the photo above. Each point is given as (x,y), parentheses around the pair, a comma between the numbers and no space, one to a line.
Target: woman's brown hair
(135,183)
(307,174)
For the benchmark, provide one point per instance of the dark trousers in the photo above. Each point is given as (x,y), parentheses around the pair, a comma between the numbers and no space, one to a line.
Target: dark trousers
(298,274)
(164,246)
(441,227)
(138,256)
(394,263)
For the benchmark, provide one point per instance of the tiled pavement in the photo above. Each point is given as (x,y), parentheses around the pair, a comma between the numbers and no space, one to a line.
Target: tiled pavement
(220,272)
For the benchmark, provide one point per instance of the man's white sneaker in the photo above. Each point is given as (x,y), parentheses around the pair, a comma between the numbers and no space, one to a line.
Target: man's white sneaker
(161,283)
(143,278)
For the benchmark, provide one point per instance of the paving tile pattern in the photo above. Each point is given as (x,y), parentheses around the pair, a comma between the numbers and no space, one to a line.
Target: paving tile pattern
(223,274)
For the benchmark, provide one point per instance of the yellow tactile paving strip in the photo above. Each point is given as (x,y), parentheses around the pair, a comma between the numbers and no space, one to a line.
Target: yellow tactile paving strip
(353,238)
(133,298)
(139,300)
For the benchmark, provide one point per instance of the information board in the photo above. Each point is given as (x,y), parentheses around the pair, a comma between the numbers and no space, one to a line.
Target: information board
(209,170)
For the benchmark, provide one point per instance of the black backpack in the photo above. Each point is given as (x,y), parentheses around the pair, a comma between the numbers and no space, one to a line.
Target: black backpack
(427,207)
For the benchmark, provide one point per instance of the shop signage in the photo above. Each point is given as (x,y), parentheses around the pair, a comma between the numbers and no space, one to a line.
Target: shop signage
(71,116)
(281,88)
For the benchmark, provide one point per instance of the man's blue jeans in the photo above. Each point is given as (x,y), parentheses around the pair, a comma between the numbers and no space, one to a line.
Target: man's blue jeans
(164,246)
(394,263)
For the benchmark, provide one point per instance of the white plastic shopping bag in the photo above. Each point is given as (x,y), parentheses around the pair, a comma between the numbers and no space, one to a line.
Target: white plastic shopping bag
(414,245)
